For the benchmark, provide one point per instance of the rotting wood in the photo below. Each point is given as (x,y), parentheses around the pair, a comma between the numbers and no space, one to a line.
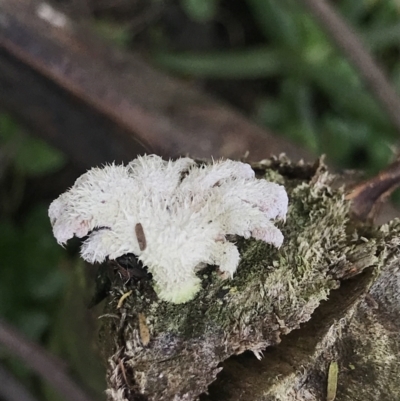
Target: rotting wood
(325,255)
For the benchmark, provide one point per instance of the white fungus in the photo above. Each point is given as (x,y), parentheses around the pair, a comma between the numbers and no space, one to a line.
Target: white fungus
(181,212)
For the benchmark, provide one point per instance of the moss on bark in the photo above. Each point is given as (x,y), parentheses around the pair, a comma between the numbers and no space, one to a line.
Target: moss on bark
(162,351)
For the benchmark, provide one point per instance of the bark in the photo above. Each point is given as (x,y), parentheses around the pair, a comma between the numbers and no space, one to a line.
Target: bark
(302,306)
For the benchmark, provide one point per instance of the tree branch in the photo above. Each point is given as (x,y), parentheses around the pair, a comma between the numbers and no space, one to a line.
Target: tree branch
(45,365)
(350,44)
(75,91)
(11,389)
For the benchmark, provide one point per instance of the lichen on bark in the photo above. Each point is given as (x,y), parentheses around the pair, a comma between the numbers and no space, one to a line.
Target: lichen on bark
(271,294)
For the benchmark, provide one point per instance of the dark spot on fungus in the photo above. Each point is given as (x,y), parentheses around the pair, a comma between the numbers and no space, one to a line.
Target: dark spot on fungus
(140,236)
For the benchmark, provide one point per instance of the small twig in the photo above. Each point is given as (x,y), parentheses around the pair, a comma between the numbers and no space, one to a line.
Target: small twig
(11,389)
(368,196)
(351,45)
(44,364)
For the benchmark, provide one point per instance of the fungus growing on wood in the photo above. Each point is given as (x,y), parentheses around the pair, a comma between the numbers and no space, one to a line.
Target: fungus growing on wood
(175,216)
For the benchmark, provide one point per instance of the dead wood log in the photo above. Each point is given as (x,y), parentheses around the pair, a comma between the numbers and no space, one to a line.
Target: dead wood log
(358,332)
(160,351)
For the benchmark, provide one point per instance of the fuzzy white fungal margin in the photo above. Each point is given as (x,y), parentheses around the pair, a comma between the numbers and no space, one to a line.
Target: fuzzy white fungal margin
(182,212)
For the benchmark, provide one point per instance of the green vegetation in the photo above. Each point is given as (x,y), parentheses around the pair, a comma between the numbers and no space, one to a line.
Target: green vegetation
(310,92)
(30,280)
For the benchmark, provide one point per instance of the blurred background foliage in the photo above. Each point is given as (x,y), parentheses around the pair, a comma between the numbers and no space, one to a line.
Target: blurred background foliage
(268,58)
(299,84)
(29,282)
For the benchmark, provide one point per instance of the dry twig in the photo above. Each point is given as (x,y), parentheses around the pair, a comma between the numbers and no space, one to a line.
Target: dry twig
(45,365)
(351,45)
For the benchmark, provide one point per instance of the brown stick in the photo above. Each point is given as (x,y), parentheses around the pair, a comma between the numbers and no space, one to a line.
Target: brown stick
(11,389)
(368,196)
(44,364)
(99,104)
(350,44)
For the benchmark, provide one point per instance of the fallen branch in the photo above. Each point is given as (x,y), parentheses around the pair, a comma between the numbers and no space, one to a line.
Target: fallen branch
(45,365)
(351,45)
(99,104)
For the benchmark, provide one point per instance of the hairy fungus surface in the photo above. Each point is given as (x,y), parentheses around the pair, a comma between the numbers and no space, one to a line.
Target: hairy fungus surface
(175,216)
